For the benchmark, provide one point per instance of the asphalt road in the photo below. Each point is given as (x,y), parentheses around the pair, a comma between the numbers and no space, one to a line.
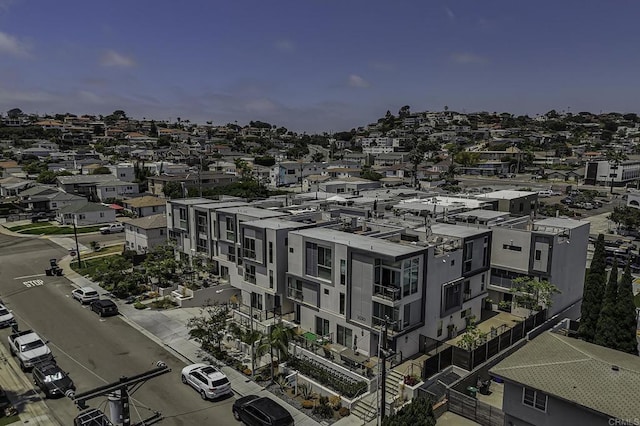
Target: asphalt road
(94,351)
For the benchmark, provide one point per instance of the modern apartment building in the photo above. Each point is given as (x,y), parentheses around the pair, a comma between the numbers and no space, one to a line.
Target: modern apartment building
(553,249)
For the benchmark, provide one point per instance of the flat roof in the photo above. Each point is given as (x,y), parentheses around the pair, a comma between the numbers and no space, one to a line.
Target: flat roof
(275,223)
(459,231)
(577,371)
(559,222)
(363,242)
(483,214)
(506,194)
(252,211)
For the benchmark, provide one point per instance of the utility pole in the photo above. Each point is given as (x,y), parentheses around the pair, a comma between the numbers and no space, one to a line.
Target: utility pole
(75,233)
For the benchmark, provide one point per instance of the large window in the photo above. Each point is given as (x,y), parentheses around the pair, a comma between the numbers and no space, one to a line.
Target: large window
(249,248)
(342,303)
(410,276)
(343,271)
(270,252)
(183,218)
(201,222)
(318,261)
(322,326)
(230,229)
(256,301)
(534,398)
(451,296)
(344,336)
(250,273)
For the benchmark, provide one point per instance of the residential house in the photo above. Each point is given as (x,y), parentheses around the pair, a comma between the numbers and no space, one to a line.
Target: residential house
(553,249)
(293,172)
(85,214)
(123,171)
(348,185)
(556,380)
(145,206)
(193,181)
(116,189)
(9,167)
(145,233)
(10,186)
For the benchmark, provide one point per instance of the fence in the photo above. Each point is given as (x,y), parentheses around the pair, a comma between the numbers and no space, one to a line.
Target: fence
(444,354)
(475,410)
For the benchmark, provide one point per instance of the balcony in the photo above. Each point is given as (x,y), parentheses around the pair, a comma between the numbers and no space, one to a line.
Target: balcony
(249,254)
(295,294)
(387,292)
(505,283)
(394,324)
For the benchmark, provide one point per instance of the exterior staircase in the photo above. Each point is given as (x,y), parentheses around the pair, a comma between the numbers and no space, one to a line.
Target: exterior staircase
(367,407)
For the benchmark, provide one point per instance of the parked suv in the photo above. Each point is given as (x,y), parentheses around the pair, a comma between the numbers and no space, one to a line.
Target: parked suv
(207,380)
(85,295)
(104,307)
(51,380)
(110,229)
(256,410)
(6,317)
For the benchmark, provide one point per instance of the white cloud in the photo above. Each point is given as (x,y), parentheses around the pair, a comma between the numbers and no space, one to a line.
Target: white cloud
(382,66)
(357,81)
(467,58)
(111,58)
(285,45)
(450,13)
(13,46)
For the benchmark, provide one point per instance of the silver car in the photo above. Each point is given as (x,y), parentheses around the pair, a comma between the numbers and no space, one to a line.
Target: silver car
(210,382)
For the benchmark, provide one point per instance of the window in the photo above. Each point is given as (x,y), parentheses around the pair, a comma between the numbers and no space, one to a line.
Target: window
(322,326)
(410,276)
(538,254)
(270,252)
(102,215)
(154,209)
(270,279)
(318,261)
(161,231)
(511,247)
(343,271)
(485,251)
(406,316)
(482,278)
(326,291)
(534,398)
(182,215)
(342,303)
(344,336)
(451,296)
(250,273)
(231,254)
(230,229)
(439,328)
(290,249)
(256,300)
(249,248)
(467,290)
(201,222)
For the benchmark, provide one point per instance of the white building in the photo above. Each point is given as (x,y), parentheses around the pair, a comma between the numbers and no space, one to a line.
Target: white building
(146,233)
(123,171)
(602,172)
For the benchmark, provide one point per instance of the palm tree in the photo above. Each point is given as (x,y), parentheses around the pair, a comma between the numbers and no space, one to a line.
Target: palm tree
(249,337)
(278,339)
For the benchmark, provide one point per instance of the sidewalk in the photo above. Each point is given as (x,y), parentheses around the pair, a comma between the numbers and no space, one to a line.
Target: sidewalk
(32,408)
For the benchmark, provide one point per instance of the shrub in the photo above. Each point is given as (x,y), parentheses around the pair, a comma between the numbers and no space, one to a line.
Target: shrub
(411,380)
(327,378)
(305,390)
(344,412)
(335,402)
(307,403)
(139,305)
(247,371)
(323,409)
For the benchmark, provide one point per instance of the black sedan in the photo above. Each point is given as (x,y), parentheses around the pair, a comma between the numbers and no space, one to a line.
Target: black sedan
(52,380)
(104,307)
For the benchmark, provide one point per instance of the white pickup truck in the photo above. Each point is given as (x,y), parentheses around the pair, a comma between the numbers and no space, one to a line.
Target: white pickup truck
(29,348)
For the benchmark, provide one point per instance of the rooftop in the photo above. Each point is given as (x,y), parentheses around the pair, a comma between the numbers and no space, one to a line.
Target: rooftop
(376,245)
(150,222)
(251,211)
(507,194)
(69,180)
(458,231)
(146,201)
(578,372)
(275,223)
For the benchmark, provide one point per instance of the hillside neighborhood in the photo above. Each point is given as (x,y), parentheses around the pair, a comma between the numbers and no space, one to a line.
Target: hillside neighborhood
(485,262)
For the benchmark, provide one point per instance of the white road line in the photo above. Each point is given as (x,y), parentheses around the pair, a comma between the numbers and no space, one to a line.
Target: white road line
(30,276)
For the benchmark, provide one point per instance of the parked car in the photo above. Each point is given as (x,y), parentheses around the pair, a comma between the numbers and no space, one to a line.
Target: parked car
(85,295)
(207,380)
(52,380)
(104,307)
(256,410)
(112,228)
(6,317)
(567,201)
(545,193)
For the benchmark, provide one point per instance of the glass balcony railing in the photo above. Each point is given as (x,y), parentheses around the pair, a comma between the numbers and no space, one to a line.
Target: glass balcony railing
(387,292)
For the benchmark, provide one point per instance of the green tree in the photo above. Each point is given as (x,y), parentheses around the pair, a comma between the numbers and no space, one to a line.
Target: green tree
(533,294)
(418,413)
(317,157)
(277,340)
(251,338)
(172,189)
(208,328)
(161,264)
(101,171)
(626,322)
(467,158)
(606,328)
(593,292)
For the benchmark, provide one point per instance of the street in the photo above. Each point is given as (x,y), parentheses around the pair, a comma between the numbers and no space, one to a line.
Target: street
(94,351)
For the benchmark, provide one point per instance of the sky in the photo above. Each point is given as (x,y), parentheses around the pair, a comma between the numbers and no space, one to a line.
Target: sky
(317,66)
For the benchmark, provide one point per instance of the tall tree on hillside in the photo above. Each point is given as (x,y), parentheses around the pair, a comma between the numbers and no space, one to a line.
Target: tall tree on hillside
(626,315)
(606,327)
(593,292)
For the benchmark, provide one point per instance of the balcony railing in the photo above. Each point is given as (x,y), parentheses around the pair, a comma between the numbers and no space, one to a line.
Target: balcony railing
(249,254)
(294,293)
(394,324)
(501,282)
(250,278)
(387,292)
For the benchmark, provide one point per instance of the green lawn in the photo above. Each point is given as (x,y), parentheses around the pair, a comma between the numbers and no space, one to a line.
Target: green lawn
(60,230)
(88,266)
(104,251)
(17,228)
(9,420)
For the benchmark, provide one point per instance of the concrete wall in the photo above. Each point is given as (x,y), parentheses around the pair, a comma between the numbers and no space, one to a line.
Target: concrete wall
(511,259)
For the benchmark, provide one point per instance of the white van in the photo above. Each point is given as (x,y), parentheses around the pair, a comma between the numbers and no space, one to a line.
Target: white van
(545,193)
